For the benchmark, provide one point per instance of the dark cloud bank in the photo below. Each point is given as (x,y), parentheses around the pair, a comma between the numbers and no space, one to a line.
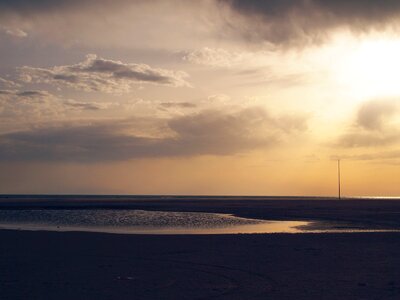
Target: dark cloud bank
(205,133)
(274,21)
(293,21)
(29,7)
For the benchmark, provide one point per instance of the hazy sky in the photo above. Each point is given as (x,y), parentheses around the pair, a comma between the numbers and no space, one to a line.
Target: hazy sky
(240,97)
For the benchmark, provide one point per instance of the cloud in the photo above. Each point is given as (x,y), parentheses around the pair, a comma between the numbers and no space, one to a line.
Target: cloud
(305,21)
(14,32)
(245,61)
(126,24)
(25,7)
(98,74)
(29,105)
(215,57)
(6,92)
(23,95)
(174,105)
(219,98)
(374,114)
(17,106)
(368,139)
(204,133)
(81,105)
(212,22)
(6,83)
(390,156)
(376,125)
(33,94)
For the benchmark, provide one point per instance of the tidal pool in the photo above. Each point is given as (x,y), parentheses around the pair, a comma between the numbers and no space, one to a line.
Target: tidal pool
(152,222)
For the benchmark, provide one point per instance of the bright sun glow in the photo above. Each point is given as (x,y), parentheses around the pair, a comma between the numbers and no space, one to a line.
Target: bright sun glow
(369,68)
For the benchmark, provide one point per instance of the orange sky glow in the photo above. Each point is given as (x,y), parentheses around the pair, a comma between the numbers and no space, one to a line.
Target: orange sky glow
(206,97)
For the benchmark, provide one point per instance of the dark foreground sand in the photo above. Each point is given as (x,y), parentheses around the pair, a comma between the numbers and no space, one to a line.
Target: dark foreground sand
(54,265)
(57,265)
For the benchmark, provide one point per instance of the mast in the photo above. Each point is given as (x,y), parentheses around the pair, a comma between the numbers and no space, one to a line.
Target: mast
(339,178)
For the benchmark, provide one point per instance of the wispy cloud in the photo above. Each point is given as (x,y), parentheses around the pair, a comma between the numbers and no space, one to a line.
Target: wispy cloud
(177,105)
(368,139)
(14,32)
(39,105)
(216,57)
(386,155)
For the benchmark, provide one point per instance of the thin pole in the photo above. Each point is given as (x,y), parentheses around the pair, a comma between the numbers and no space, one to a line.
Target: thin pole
(339,178)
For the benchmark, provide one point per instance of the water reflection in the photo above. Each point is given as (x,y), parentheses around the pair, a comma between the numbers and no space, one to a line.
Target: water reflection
(140,222)
(155,222)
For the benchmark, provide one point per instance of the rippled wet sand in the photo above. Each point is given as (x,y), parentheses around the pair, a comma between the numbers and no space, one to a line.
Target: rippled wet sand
(140,222)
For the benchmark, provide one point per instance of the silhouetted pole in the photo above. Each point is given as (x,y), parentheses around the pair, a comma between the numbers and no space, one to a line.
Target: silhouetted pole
(338,166)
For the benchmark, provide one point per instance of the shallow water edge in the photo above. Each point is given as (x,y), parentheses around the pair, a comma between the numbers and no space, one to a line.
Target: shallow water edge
(162,223)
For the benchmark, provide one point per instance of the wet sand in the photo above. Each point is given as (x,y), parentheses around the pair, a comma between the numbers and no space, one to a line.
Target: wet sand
(366,213)
(73,265)
(52,265)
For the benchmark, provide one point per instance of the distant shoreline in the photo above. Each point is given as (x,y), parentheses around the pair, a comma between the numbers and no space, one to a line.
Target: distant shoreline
(172,196)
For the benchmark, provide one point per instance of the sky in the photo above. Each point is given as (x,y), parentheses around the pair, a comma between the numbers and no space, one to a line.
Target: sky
(211,97)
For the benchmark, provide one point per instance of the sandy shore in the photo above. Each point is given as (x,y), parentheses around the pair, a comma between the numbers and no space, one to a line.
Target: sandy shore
(52,265)
(73,265)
